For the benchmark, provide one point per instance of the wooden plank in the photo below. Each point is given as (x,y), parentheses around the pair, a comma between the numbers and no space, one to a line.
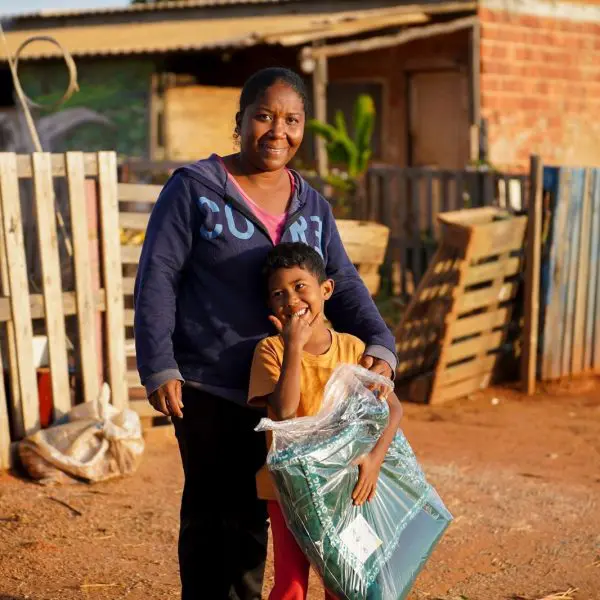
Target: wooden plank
(129,316)
(592,257)
(111,265)
(11,348)
(58,167)
(130,348)
(445,193)
(581,288)
(499,237)
(532,279)
(489,271)
(427,216)
(130,255)
(418,269)
(475,81)
(138,192)
(415,299)
(133,379)
(459,188)
(51,282)
(479,323)
(576,192)
(364,241)
(128,285)
(12,226)
(479,345)
(436,206)
(594,305)
(134,220)
(402,224)
(36,304)
(553,323)
(319,80)
(467,370)
(144,409)
(387,41)
(469,301)
(5,453)
(84,290)
(461,389)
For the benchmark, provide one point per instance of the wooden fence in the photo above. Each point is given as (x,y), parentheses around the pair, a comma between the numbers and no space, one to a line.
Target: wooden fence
(91,182)
(409,200)
(135,204)
(570,276)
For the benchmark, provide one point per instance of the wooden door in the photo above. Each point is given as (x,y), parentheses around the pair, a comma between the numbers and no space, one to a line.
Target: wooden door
(439,119)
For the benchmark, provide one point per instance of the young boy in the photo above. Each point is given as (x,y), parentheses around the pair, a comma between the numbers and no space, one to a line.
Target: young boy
(289,374)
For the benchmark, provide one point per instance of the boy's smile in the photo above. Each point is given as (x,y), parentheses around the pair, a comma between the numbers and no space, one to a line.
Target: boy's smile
(295,293)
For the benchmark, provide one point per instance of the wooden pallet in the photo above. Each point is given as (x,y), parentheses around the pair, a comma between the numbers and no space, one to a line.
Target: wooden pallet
(452,333)
(90,181)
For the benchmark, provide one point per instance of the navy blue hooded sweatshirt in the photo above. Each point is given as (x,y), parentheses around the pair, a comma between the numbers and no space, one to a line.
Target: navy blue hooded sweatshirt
(200,304)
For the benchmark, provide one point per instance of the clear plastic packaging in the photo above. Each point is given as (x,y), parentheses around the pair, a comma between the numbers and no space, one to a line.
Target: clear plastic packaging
(97,442)
(368,552)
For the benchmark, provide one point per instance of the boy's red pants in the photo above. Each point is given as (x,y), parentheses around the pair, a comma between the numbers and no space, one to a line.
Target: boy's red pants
(291,566)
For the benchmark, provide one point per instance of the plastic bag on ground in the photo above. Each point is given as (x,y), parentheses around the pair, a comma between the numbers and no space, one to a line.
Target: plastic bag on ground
(98,442)
(369,552)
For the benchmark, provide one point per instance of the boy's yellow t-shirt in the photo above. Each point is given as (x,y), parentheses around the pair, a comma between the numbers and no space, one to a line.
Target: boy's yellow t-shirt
(315,373)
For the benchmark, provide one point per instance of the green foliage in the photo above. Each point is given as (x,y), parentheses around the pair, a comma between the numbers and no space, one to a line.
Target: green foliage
(117,89)
(353,153)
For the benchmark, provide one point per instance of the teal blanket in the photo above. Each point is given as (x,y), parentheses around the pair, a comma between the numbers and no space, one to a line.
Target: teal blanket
(371,552)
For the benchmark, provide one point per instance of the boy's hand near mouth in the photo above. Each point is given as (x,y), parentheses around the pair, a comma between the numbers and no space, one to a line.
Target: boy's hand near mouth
(296,331)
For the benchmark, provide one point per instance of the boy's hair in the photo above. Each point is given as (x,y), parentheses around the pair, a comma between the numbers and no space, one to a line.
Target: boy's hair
(294,254)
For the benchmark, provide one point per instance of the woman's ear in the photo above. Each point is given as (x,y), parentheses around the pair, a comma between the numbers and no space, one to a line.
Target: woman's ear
(327,287)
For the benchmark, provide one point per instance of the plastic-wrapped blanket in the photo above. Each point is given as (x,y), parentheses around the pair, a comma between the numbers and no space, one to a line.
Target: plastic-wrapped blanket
(369,552)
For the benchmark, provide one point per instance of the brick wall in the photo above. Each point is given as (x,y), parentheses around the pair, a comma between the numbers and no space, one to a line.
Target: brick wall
(540,87)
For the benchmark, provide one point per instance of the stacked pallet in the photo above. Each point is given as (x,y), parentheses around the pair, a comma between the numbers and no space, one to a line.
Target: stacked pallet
(453,332)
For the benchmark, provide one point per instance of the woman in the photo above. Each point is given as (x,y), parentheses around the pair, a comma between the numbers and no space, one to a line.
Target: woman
(200,311)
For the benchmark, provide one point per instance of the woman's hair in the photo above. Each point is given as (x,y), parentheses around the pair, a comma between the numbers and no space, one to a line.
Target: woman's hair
(261,81)
(294,254)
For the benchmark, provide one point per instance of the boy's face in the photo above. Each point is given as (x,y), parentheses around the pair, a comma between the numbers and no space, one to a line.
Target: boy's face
(296,291)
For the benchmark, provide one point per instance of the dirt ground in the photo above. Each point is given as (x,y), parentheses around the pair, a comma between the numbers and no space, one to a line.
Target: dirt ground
(521,476)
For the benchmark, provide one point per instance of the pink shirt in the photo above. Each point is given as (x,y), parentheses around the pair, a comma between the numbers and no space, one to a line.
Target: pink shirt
(274,224)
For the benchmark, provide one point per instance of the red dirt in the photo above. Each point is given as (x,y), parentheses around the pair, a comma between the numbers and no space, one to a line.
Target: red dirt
(521,476)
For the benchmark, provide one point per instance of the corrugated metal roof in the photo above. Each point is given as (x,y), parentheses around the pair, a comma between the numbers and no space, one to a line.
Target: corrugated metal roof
(195,34)
(138,8)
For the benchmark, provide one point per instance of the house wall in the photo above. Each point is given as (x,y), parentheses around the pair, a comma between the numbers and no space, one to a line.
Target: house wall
(540,81)
(393,67)
(118,89)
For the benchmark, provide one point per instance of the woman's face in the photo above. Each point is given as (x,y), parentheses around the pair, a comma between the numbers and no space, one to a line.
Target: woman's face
(272,128)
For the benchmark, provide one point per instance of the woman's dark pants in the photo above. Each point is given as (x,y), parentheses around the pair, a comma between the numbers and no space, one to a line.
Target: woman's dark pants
(223,532)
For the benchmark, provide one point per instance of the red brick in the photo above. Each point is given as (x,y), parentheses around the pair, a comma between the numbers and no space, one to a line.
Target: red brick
(512,85)
(490,82)
(529,21)
(541,87)
(494,51)
(496,67)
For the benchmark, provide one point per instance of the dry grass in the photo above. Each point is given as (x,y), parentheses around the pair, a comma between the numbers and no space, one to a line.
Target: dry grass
(568,595)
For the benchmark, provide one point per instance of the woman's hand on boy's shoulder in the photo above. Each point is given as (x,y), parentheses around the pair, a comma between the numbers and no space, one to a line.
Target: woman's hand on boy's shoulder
(377,365)
(380,367)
